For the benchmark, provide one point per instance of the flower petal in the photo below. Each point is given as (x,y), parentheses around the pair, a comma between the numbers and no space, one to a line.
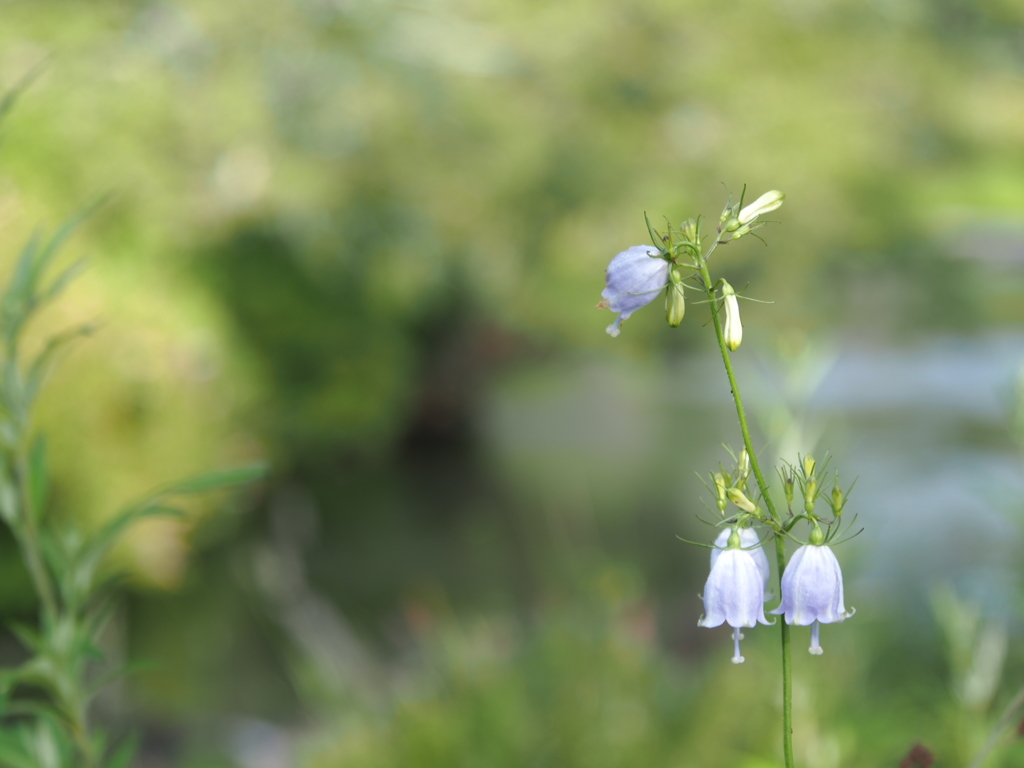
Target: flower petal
(812,587)
(750,541)
(734,592)
(634,279)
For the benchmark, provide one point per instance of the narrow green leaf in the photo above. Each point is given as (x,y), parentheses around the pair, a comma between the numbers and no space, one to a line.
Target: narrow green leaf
(83,572)
(40,368)
(211,481)
(65,231)
(16,297)
(62,281)
(652,231)
(11,97)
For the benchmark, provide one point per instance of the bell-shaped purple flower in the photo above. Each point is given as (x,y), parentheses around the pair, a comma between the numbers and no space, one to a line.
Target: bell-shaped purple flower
(634,279)
(812,591)
(734,592)
(749,541)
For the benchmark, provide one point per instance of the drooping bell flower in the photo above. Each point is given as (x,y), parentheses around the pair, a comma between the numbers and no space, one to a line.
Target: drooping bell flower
(751,543)
(734,592)
(634,279)
(812,589)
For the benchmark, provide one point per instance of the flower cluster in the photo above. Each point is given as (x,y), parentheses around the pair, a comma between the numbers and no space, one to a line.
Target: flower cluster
(637,276)
(812,584)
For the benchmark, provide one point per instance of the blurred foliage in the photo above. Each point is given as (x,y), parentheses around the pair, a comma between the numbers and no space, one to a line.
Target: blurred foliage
(360,238)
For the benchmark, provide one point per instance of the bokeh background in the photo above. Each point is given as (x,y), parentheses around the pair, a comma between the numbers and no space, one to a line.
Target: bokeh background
(363,240)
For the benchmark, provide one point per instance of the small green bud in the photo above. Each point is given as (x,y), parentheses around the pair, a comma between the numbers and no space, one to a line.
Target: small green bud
(733,327)
(788,483)
(734,539)
(838,500)
(810,493)
(675,302)
(809,465)
(689,229)
(732,225)
(720,486)
(739,498)
(743,464)
(817,536)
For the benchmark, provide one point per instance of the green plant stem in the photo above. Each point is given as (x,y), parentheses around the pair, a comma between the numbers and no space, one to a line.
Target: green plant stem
(31,549)
(780,544)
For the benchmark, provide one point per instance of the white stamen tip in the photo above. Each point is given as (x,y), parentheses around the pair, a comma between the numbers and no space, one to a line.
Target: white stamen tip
(815,648)
(738,659)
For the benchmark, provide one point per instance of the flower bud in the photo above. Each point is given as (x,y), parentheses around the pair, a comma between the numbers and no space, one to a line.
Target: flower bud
(809,465)
(810,493)
(689,229)
(720,485)
(788,483)
(739,232)
(732,225)
(838,500)
(739,498)
(675,302)
(743,465)
(817,537)
(733,326)
(767,202)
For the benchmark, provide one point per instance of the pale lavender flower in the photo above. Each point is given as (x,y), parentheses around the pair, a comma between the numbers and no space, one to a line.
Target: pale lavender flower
(812,591)
(634,279)
(751,542)
(734,592)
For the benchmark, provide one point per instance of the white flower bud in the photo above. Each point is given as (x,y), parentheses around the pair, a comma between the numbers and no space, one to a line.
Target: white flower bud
(675,302)
(767,202)
(743,464)
(733,326)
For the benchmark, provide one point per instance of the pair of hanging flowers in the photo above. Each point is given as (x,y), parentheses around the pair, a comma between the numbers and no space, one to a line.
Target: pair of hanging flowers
(812,583)
(812,587)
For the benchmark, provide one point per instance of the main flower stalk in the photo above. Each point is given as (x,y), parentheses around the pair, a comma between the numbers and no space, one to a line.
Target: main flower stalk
(780,545)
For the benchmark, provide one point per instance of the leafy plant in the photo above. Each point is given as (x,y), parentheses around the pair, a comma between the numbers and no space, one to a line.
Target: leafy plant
(45,702)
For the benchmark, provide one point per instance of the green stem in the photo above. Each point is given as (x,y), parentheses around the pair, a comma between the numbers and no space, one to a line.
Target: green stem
(780,544)
(31,549)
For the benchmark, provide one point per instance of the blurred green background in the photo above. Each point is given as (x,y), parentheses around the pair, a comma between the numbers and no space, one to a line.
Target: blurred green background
(363,240)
